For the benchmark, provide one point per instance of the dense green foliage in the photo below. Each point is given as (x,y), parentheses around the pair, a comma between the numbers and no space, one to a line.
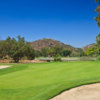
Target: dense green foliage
(52,52)
(16,49)
(94,51)
(98,12)
(45,80)
(57,58)
(98,58)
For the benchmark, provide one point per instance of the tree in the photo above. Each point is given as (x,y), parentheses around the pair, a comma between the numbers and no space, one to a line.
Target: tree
(98,13)
(51,52)
(16,49)
(55,51)
(3,49)
(94,51)
(98,43)
(66,52)
(38,53)
(58,50)
(44,52)
(29,52)
(98,39)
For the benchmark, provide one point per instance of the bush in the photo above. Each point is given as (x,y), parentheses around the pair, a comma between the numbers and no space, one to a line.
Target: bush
(87,58)
(84,58)
(98,58)
(57,58)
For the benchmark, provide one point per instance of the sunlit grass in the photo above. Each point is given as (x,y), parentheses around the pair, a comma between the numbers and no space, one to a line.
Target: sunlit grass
(45,80)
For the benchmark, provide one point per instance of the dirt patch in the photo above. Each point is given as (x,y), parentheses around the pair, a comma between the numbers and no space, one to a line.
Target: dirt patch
(86,92)
(31,61)
(22,61)
(5,66)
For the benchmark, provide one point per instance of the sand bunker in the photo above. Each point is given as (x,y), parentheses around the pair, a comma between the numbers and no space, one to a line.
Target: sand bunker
(86,92)
(4,66)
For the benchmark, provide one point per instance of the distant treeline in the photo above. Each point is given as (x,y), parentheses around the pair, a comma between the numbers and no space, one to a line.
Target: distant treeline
(52,52)
(17,49)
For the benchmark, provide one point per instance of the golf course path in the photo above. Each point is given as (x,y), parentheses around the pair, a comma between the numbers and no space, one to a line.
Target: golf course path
(4,66)
(86,92)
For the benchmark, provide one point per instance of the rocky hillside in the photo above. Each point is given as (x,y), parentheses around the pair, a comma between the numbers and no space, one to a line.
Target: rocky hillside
(49,43)
(88,46)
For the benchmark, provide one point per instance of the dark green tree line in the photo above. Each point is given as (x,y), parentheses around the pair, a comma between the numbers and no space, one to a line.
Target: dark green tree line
(16,49)
(54,51)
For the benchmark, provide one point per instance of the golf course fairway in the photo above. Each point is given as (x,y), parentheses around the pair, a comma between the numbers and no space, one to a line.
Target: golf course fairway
(42,81)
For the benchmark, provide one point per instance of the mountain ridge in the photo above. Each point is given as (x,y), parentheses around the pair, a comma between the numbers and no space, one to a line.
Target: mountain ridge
(49,43)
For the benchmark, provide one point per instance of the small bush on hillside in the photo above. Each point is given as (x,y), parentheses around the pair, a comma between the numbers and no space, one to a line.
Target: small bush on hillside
(57,58)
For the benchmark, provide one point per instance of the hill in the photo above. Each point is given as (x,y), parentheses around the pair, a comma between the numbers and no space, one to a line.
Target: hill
(49,43)
(88,46)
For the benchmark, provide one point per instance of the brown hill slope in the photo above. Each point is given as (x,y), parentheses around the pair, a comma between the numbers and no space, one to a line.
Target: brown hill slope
(49,43)
(88,46)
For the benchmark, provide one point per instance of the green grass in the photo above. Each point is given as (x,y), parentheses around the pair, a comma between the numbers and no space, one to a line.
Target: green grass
(45,80)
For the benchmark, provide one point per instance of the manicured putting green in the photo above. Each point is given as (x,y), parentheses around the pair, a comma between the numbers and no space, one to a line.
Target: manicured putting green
(45,80)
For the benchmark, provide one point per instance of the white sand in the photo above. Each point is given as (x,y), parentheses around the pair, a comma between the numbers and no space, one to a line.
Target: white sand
(5,66)
(86,92)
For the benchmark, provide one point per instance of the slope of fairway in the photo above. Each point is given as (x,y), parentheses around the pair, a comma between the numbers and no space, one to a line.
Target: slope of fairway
(85,92)
(45,80)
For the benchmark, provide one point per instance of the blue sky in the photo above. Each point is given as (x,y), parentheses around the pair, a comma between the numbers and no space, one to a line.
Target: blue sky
(69,21)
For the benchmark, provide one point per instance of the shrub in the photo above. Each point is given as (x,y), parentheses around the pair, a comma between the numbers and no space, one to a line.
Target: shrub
(98,58)
(84,58)
(87,58)
(57,58)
